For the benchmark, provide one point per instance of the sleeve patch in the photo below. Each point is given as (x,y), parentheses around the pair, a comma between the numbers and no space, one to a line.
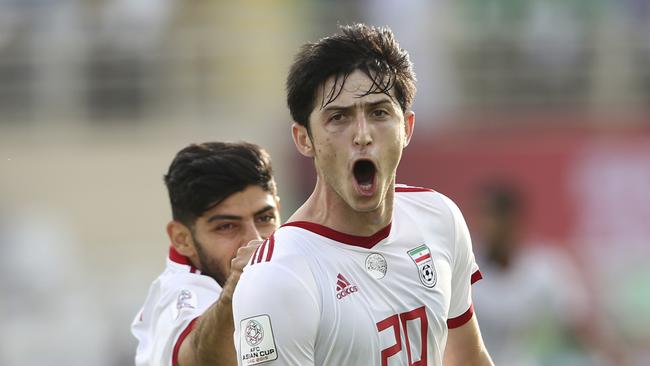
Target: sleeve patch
(257,343)
(186,300)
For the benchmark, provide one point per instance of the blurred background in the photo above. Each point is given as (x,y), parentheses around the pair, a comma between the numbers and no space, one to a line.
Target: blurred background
(533,115)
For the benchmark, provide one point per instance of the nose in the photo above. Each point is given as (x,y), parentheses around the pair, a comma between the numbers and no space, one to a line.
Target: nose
(251,233)
(362,135)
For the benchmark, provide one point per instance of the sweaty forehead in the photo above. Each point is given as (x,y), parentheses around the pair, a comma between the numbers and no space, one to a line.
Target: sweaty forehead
(356,85)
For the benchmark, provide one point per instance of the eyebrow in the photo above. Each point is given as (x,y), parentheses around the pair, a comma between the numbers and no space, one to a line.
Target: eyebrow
(332,107)
(236,218)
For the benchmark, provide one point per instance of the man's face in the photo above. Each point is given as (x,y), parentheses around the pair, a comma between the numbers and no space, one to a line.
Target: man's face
(358,140)
(218,233)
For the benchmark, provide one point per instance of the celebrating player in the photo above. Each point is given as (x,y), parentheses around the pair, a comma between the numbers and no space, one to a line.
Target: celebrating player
(366,272)
(223,195)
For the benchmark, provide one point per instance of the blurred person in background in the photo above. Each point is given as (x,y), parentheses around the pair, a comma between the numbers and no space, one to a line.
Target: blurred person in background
(223,196)
(534,307)
(363,260)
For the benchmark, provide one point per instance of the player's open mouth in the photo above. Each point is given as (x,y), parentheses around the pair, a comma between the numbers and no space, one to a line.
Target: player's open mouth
(364,175)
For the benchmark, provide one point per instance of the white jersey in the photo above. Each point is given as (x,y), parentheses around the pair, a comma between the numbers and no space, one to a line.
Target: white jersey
(175,300)
(315,296)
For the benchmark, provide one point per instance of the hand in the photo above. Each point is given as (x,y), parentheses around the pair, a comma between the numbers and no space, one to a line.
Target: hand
(244,254)
(210,342)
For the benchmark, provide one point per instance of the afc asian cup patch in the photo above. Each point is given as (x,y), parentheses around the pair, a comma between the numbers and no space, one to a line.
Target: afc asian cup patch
(421,256)
(256,341)
(186,299)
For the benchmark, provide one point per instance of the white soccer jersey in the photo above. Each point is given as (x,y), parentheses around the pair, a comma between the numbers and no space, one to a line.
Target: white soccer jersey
(175,300)
(315,296)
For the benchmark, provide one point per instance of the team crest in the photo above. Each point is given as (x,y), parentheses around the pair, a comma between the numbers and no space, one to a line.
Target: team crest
(376,266)
(422,258)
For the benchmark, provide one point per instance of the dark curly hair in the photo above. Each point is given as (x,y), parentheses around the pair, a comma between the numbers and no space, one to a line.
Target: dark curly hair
(203,175)
(372,50)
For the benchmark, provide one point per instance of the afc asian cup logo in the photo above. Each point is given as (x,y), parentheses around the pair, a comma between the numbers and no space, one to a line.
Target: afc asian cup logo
(186,300)
(254,333)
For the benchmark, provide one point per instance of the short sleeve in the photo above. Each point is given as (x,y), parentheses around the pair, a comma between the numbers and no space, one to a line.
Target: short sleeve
(168,316)
(276,315)
(465,271)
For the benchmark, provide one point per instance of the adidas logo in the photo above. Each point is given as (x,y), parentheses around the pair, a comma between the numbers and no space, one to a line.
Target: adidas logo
(343,287)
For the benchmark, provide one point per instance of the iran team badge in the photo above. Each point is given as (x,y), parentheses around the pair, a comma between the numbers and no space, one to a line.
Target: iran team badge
(422,258)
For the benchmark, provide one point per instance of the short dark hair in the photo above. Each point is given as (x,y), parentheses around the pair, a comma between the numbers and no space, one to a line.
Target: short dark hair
(372,50)
(203,175)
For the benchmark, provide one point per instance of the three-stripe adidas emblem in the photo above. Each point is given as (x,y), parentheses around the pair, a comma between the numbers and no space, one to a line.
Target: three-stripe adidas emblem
(341,282)
(264,252)
(343,287)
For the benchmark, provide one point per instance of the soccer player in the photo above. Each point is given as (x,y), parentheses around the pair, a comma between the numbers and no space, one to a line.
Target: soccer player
(223,196)
(366,272)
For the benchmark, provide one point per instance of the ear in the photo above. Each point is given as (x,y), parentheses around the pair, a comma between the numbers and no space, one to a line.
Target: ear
(277,202)
(302,140)
(409,125)
(278,206)
(181,238)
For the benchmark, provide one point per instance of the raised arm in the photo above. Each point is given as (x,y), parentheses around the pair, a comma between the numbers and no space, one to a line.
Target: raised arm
(210,341)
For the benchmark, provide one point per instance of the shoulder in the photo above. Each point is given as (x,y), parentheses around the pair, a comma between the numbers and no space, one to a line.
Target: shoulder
(436,213)
(287,244)
(276,265)
(172,279)
(278,289)
(175,298)
(425,199)
(281,265)
(427,196)
(403,188)
(180,290)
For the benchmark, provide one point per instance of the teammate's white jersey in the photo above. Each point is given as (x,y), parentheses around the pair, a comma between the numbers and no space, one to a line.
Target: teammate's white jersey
(315,296)
(175,300)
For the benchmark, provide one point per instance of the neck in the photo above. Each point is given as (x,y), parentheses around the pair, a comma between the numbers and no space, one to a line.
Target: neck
(327,208)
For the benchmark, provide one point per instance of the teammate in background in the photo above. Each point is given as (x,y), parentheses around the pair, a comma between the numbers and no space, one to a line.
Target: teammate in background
(366,272)
(223,195)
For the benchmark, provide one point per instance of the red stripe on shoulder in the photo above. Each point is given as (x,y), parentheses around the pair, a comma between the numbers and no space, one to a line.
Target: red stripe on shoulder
(413,189)
(254,256)
(180,340)
(262,248)
(461,319)
(476,276)
(269,253)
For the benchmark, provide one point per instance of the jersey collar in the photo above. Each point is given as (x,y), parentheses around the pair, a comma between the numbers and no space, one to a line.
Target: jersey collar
(357,241)
(177,257)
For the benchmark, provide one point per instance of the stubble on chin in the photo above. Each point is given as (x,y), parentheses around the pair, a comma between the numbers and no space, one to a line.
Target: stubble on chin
(209,268)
